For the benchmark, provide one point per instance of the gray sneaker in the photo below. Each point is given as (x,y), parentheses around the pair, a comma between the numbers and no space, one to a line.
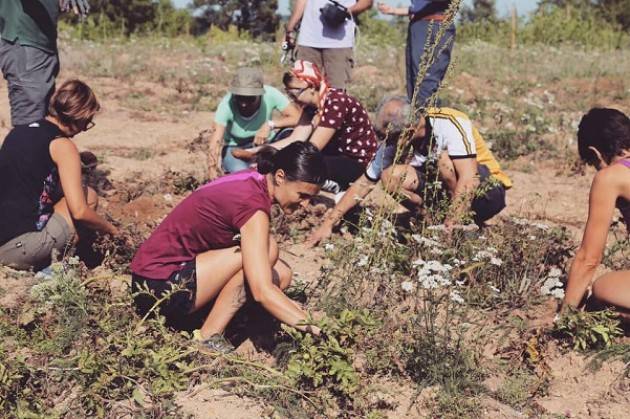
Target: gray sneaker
(216,343)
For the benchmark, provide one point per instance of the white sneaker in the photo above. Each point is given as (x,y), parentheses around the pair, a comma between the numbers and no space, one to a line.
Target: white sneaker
(331,186)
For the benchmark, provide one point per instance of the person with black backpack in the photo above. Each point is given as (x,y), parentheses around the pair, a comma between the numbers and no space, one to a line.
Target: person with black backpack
(326,35)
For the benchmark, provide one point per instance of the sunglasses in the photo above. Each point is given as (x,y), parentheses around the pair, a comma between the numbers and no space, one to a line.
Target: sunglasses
(295,92)
(89,125)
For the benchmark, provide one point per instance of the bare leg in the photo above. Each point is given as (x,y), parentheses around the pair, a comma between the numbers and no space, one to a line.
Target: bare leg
(614,288)
(402,178)
(232,296)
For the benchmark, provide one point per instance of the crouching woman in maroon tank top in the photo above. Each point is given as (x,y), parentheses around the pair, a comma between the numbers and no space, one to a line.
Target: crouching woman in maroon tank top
(603,142)
(218,239)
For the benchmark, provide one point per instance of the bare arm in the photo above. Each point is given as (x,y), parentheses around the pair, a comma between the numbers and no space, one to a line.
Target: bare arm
(386,9)
(322,136)
(296,16)
(290,117)
(357,191)
(214,150)
(360,6)
(461,180)
(601,205)
(257,268)
(66,156)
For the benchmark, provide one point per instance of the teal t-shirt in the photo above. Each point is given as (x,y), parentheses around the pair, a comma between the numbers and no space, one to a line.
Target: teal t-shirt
(32,23)
(240,130)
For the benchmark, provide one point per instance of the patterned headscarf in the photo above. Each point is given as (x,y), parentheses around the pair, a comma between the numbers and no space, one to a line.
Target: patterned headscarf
(309,73)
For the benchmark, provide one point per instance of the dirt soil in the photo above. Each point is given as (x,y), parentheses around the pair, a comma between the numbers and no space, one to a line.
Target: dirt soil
(137,149)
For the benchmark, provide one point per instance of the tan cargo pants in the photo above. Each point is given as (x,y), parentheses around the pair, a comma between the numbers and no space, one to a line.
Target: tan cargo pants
(336,63)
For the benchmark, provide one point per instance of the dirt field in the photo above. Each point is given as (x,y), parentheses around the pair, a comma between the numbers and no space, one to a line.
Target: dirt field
(139,145)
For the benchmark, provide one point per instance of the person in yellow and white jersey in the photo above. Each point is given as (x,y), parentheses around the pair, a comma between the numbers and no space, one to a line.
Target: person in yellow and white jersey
(466,167)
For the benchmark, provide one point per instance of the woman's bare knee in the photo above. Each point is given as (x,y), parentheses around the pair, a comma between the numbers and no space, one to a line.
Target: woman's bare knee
(274,251)
(600,290)
(92,198)
(285,274)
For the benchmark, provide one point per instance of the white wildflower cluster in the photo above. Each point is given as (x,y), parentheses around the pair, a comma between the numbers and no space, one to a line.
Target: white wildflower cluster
(329,247)
(363,261)
(407,286)
(433,274)
(552,285)
(490,255)
(456,297)
(526,222)
(387,228)
(425,241)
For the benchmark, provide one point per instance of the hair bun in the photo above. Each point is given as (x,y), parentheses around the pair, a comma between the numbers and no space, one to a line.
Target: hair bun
(265,160)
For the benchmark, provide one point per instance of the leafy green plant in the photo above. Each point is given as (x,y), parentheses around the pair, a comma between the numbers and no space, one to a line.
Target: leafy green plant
(327,360)
(585,330)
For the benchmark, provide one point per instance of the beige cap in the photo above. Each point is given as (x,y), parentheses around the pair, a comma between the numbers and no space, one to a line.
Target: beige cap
(247,81)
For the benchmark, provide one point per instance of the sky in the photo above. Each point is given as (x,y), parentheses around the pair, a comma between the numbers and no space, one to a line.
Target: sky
(503,6)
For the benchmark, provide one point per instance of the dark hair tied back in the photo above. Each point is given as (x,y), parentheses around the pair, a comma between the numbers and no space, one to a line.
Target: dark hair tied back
(606,130)
(300,162)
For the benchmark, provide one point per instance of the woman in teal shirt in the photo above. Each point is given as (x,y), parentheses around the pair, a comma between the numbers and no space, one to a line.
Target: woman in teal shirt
(244,119)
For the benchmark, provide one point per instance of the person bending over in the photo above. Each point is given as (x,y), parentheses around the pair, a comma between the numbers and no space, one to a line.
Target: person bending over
(217,241)
(244,118)
(443,134)
(340,127)
(603,142)
(42,199)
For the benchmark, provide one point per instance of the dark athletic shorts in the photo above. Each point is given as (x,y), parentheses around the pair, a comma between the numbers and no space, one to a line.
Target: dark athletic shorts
(342,169)
(484,206)
(181,301)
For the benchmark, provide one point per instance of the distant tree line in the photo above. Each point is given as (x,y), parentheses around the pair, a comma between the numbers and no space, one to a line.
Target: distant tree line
(260,20)
(256,17)
(613,11)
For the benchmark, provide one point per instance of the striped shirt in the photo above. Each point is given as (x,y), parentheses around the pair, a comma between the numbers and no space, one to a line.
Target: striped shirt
(454,133)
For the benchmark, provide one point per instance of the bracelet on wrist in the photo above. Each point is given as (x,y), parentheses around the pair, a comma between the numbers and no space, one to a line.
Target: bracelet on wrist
(271,124)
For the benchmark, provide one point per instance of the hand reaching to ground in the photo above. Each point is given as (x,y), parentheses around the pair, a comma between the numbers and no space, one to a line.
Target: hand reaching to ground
(318,235)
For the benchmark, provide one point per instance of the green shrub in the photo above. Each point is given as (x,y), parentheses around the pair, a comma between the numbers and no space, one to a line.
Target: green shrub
(556,26)
(327,360)
(583,330)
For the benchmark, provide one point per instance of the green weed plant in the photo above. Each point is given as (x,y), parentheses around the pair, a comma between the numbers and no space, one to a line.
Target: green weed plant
(586,331)
(326,361)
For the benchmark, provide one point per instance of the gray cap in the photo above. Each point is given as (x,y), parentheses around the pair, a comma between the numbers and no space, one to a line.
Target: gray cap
(247,81)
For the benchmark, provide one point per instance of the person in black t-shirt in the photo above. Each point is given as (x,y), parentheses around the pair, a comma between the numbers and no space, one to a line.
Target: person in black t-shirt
(41,192)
